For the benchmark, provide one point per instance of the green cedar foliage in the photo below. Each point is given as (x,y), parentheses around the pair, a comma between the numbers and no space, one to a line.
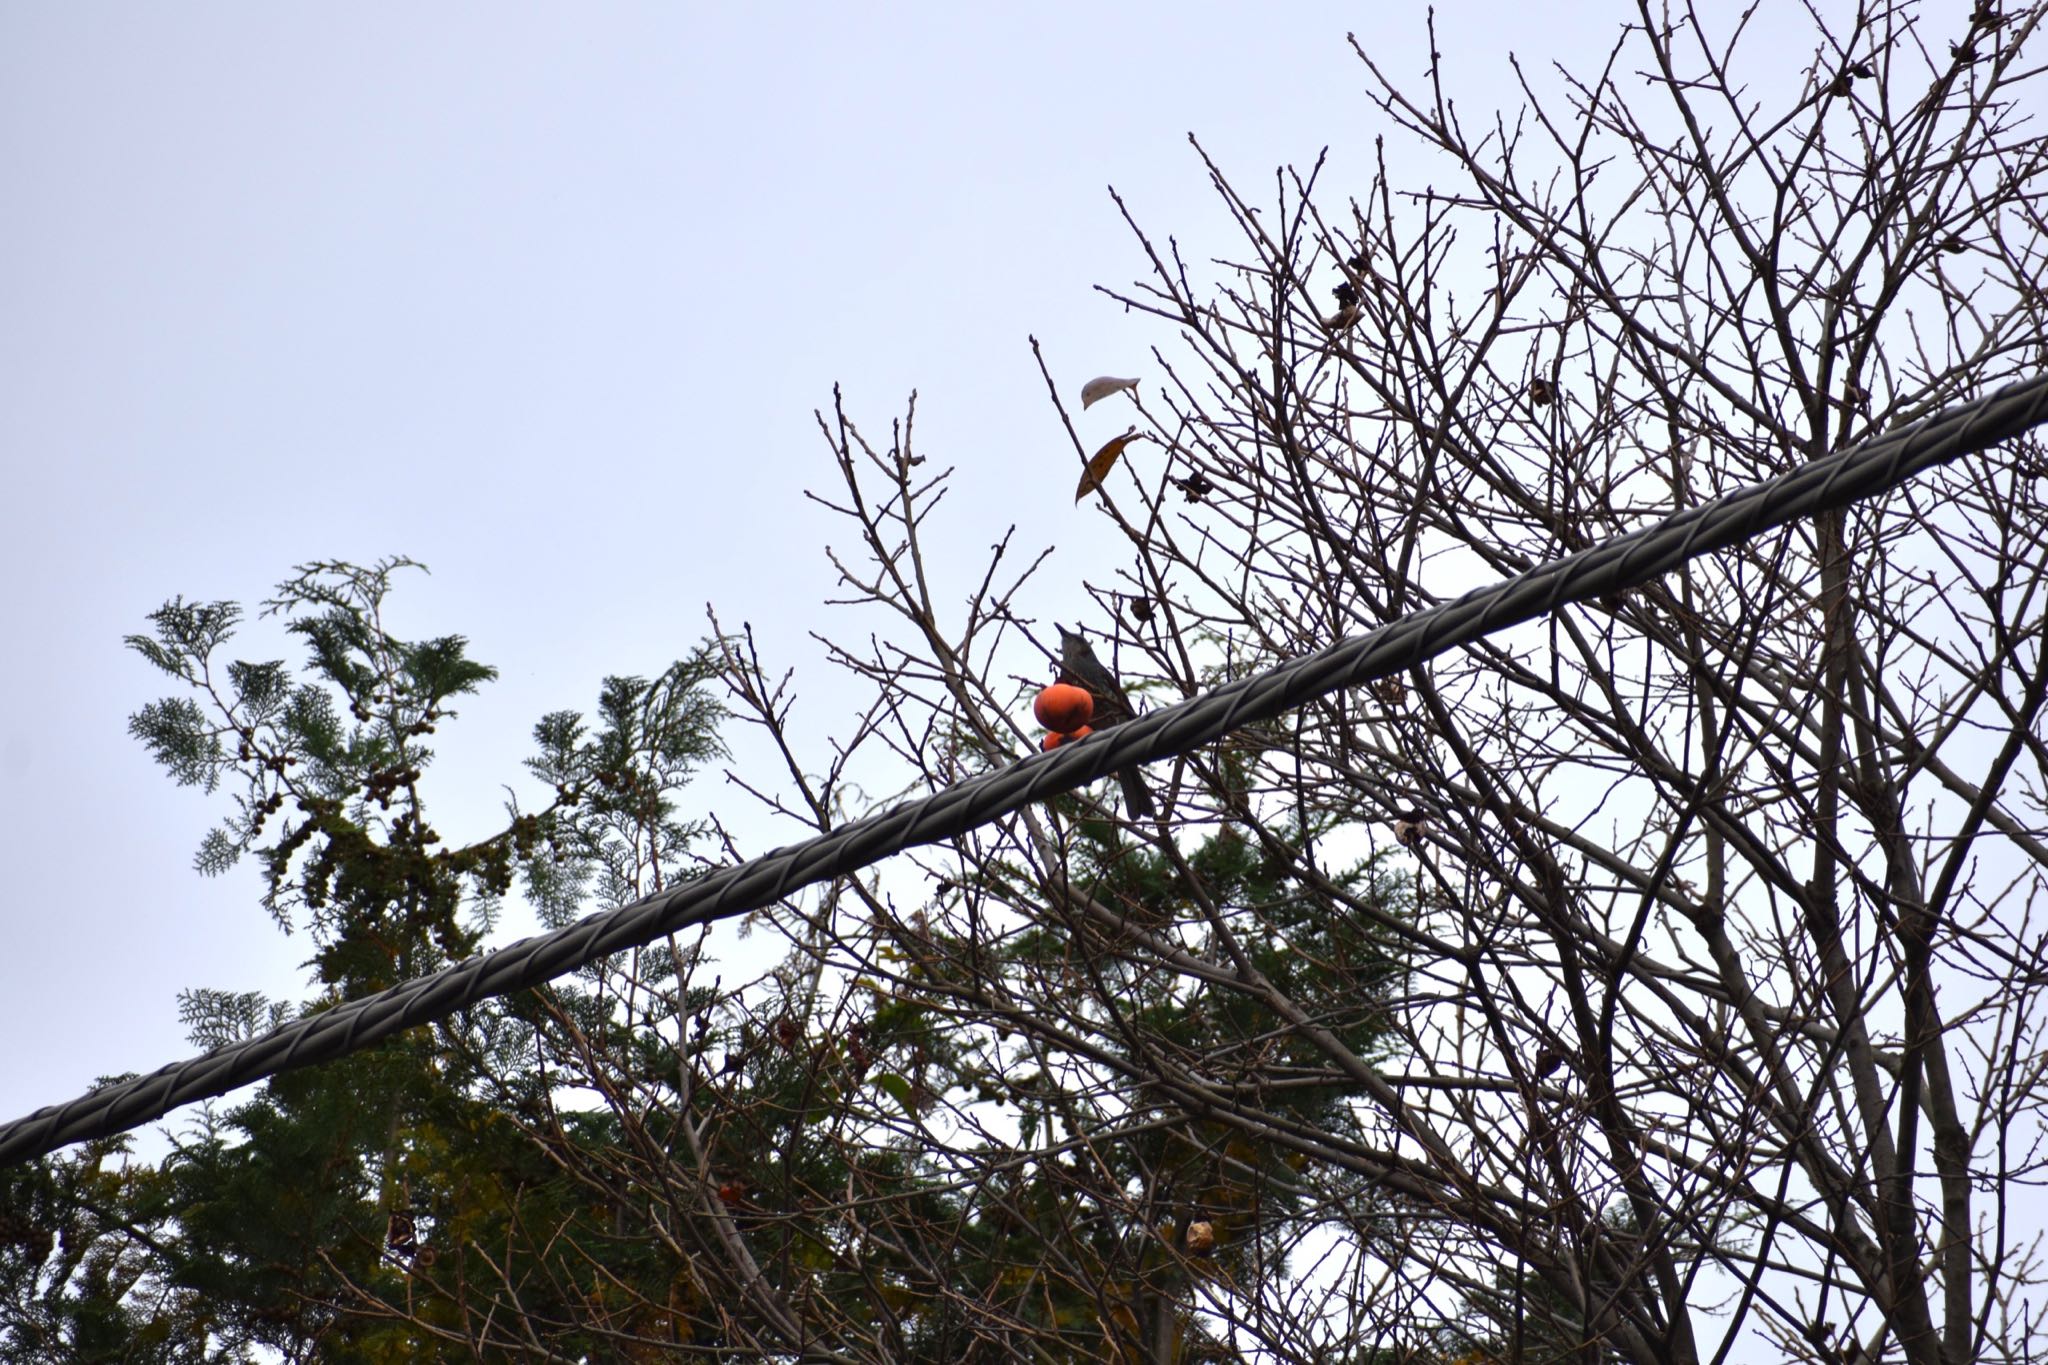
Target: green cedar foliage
(306,1220)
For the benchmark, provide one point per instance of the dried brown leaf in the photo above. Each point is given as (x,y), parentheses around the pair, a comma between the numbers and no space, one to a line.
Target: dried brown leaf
(1101,462)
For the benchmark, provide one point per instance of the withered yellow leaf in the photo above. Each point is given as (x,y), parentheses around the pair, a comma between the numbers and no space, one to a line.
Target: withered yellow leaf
(1095,390)
(1101,462)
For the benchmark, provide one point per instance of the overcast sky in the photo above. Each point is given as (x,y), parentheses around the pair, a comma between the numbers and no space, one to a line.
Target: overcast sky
(544,296)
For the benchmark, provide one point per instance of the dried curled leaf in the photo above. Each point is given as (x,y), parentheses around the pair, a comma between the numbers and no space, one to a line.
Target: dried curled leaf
(1095,390)
(1101,462)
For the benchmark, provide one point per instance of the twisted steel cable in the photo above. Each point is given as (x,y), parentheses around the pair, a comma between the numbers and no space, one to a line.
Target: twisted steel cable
(1834,481)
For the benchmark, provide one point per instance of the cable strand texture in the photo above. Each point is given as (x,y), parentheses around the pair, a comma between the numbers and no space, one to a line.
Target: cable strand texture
(1863,471)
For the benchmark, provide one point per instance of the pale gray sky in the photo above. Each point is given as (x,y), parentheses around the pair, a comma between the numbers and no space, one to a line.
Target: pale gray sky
(544,295)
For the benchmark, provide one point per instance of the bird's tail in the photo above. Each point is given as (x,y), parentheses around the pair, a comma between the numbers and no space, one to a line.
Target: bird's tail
(1138,803)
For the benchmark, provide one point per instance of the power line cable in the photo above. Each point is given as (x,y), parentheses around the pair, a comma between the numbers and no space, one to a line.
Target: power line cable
(1865,470)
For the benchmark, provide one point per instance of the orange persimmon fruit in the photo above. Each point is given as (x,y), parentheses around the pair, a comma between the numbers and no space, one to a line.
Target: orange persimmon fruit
(1055,739)
(1063,708)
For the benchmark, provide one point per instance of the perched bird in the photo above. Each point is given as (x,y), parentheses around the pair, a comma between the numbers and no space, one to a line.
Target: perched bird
(1079,666)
